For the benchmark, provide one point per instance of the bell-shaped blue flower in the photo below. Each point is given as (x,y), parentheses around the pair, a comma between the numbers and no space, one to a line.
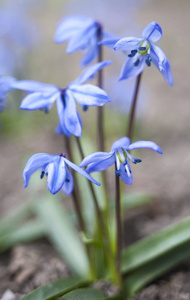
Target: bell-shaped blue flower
(42,96)
(82,33)
(141,52)
(119,154)
(56,168)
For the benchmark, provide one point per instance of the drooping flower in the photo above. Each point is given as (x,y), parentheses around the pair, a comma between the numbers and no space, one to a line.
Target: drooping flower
(100,161)
(83,34)
(42,96)
(141,52)
(56,168)
(5,87)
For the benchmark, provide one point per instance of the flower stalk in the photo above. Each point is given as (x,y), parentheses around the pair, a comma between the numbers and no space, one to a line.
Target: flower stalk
(133,107)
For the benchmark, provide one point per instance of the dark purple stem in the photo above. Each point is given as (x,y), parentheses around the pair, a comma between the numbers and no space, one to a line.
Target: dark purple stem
(133,107)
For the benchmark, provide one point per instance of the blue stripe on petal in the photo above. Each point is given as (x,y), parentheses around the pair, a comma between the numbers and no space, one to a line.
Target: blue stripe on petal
(56,174)
(160,60)
(69,183)
(88,94)
(36,101)
(152,32)
(81,171)
(35,162)
(89,72)
(129,70)
(103,164)
(72,121)
(82,38)
(123,142)
(94,157)
(127,44)
(145,144)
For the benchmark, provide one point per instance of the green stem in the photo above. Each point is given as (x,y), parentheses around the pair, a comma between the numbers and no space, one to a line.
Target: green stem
(118,227)
(102,225)
(133,107)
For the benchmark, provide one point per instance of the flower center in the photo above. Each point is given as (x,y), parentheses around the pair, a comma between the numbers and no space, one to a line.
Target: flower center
(143,50)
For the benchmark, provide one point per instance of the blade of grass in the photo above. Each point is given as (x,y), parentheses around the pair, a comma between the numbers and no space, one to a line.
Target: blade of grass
(63,234)
(84,294)
(154,269)
(56,288)
(31,231)
(155,245)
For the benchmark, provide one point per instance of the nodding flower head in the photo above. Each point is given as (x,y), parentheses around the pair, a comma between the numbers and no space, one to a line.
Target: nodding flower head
(141,52)
(56,168)
(119,155)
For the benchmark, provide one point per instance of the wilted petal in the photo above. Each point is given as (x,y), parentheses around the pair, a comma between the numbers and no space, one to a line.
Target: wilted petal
(34,86)
(72,121)
(36,101)
(82,38)
(68,27)
(89,72)
(69,183)
(81,171)
(56,174)
(35,162)
(160,60)
(145,144)
(127,44)
(88,94)
(152,32)
(123,142)
(129,70)
(102,164)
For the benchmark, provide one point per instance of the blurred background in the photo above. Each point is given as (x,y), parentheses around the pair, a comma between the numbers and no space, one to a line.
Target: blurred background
(27,51)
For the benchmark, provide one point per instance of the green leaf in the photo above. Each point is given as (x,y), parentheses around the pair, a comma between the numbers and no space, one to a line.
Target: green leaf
(155,245)
(63,234)
(135,199)
(30,231)
(14,218)
(56,288)
(84,294)
(154,269)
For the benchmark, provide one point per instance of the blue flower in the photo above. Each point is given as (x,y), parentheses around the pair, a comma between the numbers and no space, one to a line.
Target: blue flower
(56,167)
(42,96)
(82,33)
(119,154)
(141,52)
(5,88)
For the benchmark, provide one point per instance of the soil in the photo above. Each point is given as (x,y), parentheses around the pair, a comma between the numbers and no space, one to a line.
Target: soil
(166,122)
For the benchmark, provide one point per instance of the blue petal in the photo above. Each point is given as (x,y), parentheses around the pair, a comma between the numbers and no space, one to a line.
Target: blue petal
(89,72)
(35,162)
(72,121)
(6,85)
(152,32)
(68,27)
(56,174)
(127,44)
(69,182)
(123,142)
(81,171)
(160,60)
(101,164)
(36,101)
(129,70)
(124,176)
(82,38)
(90,53)
(110,42)
(145,144)
(34,86)
(62,129)
(94,157)
(88,94)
